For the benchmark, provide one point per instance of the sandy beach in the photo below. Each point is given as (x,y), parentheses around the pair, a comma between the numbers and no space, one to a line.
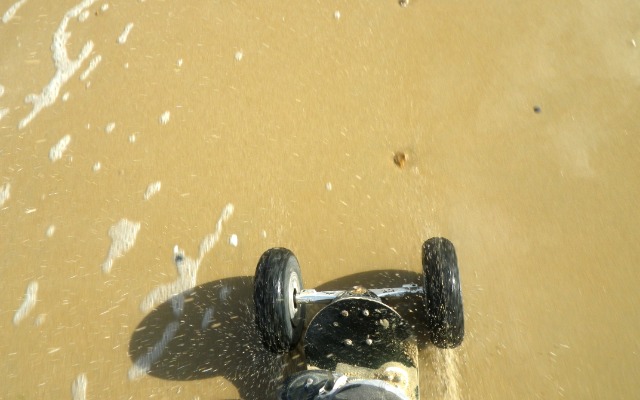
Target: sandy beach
(151,151)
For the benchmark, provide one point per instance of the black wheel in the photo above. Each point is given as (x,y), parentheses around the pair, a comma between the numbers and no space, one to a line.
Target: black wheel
(442,294)
(279,318)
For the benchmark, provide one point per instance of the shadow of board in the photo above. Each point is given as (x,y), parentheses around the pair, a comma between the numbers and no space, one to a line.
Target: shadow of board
(186,345)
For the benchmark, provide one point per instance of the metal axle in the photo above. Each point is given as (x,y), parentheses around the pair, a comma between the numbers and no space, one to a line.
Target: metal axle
(311,296)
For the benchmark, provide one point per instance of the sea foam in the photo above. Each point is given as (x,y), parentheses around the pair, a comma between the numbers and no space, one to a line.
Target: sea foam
(28,303)
(187,267)
(123,237)
(56,152)
(8,15)
(79,387)
(152,189)
(122,39)
(65,67)
(5,192)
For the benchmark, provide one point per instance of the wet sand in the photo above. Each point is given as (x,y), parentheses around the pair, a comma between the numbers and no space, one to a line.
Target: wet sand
(158,130)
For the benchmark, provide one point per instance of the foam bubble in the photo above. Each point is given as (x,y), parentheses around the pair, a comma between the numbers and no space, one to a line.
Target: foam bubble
(132,138)
(51,230)
(122,39)
(8,15)
(59,148)
(83,16)
(164,118)
(65,96)
(110,127)
(79,387)
(152,189)
(1,90)
(28,303)
(65,67)
(3,112)
(92,65)
(179,63)
(239,54)
(97,166)
(5,191)
(233,240)
(105,7)
(123,237)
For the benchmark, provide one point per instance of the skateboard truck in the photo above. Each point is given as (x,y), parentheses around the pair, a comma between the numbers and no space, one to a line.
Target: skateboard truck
(357,346)
(311,296)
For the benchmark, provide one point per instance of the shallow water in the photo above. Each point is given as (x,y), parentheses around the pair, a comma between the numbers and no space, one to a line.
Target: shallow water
(160,129)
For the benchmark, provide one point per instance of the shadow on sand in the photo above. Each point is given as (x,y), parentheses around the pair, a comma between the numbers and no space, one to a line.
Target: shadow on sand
(209,331)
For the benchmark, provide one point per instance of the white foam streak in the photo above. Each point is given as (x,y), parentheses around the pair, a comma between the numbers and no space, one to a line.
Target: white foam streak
(83,16)
(28,303)
(65,67)
(92,65)
(164,118)
(123,237)
(186,266)
(122,39)
(142,365)
(152,189)
(79,387)
(56,152)
(8,15)
(5,192)
(187,274)
(211,239)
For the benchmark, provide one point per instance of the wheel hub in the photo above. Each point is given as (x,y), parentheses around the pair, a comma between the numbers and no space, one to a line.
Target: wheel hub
(293,288)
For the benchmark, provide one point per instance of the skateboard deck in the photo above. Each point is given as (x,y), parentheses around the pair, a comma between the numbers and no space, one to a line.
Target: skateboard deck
(362,337)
